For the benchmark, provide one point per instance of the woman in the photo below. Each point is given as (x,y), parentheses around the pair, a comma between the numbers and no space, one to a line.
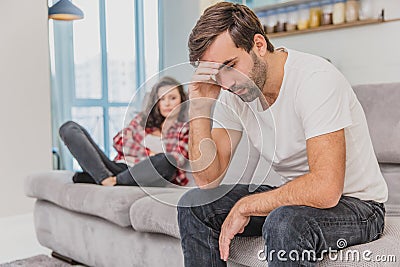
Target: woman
(152,149)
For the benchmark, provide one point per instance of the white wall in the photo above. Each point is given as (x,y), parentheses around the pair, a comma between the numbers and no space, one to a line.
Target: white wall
(365,54)
(25,135)
(179,17)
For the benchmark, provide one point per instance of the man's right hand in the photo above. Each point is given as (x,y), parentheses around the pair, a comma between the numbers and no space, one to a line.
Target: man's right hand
(204,88)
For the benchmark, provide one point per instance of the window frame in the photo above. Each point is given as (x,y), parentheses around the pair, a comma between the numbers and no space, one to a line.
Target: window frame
(64,77)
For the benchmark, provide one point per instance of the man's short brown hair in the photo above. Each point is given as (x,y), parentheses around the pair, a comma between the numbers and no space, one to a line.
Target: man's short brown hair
(239,20)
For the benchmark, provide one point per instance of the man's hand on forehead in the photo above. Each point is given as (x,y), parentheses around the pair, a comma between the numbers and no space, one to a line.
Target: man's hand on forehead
(207,68)
(207,64)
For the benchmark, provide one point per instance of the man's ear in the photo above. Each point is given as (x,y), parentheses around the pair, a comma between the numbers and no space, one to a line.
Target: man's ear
(260,45)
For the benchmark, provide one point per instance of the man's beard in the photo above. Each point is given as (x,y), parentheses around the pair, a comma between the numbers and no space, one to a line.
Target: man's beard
(255,84)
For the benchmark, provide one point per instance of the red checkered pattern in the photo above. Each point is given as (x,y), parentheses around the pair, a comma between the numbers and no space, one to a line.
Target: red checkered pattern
(129,146)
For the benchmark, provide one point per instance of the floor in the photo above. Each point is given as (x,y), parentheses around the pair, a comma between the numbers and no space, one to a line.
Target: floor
(18,239)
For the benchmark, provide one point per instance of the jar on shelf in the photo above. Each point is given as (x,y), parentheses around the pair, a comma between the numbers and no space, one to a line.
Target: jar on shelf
(271,20)
(366,10)
(262,16)
(291,23)
(327,12)
(282,19)
(303,16)
(339,7)
(315,14)
(352,7)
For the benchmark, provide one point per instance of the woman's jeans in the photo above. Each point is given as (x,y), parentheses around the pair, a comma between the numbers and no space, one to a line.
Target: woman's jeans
(156,170)
(292,229)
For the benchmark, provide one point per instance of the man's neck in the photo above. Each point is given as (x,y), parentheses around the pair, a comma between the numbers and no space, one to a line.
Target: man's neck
(275,72)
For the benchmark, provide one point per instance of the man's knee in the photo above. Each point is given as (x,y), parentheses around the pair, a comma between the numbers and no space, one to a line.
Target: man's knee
(201,203)
(285,222)
(184,207)
(203,197)
(191,203)
(187,199)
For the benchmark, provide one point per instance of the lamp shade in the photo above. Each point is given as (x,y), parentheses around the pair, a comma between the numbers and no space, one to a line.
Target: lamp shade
(65,10)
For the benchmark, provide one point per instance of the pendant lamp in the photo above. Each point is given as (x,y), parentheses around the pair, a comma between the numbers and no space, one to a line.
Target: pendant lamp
(65,10)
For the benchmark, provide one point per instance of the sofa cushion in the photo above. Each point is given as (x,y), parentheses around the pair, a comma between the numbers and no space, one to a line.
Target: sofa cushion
(391,172)
(244,250)
(110,203)
(381,106)
(156,214)
(99,243)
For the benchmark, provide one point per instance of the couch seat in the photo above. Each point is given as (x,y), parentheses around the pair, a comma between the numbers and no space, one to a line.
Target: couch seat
(110,203)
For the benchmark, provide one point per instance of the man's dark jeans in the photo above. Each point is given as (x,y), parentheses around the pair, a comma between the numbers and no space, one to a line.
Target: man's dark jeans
(288,228)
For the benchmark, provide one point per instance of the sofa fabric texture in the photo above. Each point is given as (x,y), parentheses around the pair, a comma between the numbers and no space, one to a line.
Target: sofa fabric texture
(391,172)
(96,242)
(249,246)
(110,203)
(381,106)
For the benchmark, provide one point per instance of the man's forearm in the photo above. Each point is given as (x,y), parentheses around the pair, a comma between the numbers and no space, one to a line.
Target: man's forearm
(308,190)
(203,154)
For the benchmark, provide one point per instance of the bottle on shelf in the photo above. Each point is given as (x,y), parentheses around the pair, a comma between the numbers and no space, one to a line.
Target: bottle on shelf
(327,12)
(292,15)
(262,16)
(366,10)
(352,7)
(282,19)
(271,20)
(339,7)
(315,14)
(303,16)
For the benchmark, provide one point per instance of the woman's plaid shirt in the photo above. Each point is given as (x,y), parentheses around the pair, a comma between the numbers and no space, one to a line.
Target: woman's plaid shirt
(129,145)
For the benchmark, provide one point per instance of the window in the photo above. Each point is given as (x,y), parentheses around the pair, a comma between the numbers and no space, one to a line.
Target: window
(100,62)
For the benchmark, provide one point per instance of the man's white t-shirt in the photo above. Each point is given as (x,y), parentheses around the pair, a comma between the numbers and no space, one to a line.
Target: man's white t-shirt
(314,99)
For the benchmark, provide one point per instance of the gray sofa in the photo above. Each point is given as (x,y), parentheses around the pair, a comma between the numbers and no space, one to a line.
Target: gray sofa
(130,226)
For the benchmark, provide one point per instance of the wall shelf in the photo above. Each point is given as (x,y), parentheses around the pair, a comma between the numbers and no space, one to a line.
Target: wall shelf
(280,5)
(331,27)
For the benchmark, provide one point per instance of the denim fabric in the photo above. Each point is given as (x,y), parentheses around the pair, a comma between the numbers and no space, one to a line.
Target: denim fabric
(154,171)
(288,228)
(87,153)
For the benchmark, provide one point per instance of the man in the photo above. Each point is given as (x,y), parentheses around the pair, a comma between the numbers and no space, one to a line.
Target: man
(334,190)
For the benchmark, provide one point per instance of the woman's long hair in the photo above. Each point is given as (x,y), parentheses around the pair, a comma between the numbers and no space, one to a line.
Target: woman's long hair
(151,116)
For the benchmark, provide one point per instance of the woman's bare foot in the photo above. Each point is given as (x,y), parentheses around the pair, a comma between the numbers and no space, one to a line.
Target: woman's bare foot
(110,181)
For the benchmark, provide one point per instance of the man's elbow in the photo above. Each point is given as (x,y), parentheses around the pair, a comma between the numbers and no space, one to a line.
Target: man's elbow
(329,201)
(329,198)
(204,182)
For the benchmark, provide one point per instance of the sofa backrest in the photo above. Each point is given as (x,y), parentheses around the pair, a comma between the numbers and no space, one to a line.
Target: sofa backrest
(381,104)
